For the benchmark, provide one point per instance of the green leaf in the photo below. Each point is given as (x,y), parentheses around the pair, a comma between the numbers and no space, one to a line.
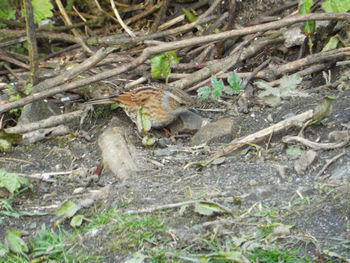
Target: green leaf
(165,68)
(6,11)
(336,6)
(309,27)
(114,106)
(190,17)
(305,8)
(156,63)
(42,9)
(322,110)
(207,208)
(203,92)
(230,256)
(12,182)
(142,120)
(9,139)
(218,87)
(16,243)
(331,44)
(67,209)
(148,140)
(77,220)
(235,84)
(172,55)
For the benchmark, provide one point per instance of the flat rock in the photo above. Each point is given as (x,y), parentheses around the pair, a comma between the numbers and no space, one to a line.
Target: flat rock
(118,156)
(38,110)
(187,122)
(221,131)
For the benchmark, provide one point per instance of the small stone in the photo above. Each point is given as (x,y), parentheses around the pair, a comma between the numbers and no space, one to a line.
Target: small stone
(38,110)
(221,131)
(304,161)
(281,231)
(338,136)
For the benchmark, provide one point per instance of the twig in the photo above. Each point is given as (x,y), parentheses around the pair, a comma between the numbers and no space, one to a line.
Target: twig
(175,205)
(255,71)
(328,163)
(258,136)
(315,145)
(121,22)
(49,122)
(75,31)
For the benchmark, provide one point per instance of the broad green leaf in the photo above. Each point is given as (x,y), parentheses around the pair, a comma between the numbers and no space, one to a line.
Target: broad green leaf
(165,68)
(173,57)
(336,6)
(67,209)
(203,92)
(190,17)
(156,66)
(12,182)
(305,7)
(114,106)
(207,209)
(16,243)
(42,9)
(331,44)
(143,121)
(77,220)
(309,27)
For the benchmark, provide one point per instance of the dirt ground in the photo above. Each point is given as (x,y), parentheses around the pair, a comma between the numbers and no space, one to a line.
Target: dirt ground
(252,181)
(253,176)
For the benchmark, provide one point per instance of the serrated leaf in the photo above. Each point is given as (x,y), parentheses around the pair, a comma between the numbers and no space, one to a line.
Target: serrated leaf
(190,17)
(16,243)
(203,92)
(41,9)
(331,44)
(272,100)
(235,85)
(336,6)
(12,182)
(77,220)
(67,209)
(207,208)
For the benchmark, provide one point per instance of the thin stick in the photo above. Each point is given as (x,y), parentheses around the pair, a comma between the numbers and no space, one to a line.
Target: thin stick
(121,22)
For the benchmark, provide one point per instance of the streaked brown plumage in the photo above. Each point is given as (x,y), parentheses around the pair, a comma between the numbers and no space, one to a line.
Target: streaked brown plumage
(162,103)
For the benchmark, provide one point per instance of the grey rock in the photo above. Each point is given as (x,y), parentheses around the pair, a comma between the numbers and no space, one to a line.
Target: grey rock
(221,131)
(38,110)
(187,122)
(305,160)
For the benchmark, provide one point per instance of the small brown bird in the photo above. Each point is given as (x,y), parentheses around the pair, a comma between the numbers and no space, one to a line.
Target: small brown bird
(161,103)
